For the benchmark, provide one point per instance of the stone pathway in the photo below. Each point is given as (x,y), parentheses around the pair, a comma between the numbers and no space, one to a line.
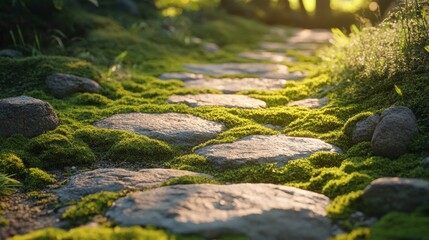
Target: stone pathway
(261,55)
(221,100)
(259,149)
(174,128)
(310,103)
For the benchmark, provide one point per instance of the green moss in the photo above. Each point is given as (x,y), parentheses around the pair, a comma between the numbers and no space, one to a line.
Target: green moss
(321,177)
(91,99)
(357,234)
(326,159)
(90,206)
(11,164)
(395,226)
(58,151)
(298,170)
(190,180)
(38,179)
(264,173)
(351,122)
(349,183)
(344,205)
(4,222)
(362,149)
(191,162)
(8,185)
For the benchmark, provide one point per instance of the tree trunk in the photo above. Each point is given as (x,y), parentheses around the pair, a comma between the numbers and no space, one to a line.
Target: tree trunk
(302,9)
(284,5)
(323,8)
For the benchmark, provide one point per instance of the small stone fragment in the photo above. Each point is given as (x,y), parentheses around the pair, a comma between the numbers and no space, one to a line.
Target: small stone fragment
(364,129)
(310,103)
(221,100)
(174,128)
(394,132)
(258,211)
(63,85)
(395,194)
(260,149)
(27,116)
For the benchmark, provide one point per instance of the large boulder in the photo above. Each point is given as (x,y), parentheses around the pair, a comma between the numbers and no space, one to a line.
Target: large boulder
(63,85)
(395,194)
(394,132)
(27,116)
(364,130)
(258,211)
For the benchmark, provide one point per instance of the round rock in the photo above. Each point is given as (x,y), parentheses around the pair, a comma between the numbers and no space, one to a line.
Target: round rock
(27,116)
(222,100)
(174,128)
(395,194)
(394,132)
(258,211)
(273,71)
(364,129)
(310,103)
(259,149)
(63,85)
(267,56)
(115,180)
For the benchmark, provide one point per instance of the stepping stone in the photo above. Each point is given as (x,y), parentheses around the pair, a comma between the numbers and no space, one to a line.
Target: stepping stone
(263,70)
(233,85)
(311,36)
(183,76)
(174,128)
(271,46)
(310,103)
(115,180)
(258,211)
(63,85)
(260,149)
(222,100)
(267,56)
(27,116)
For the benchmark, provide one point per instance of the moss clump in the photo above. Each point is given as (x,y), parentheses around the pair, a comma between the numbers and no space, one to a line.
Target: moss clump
(191,162)
(58,151)
(344,205)
(264,173)
(395,226)
(92,99)
(11,164)
(321,177)
(19,76)
(362,149)
(90,206)
(349,183)
(357,234)
(326,159)
(38,179)
(190,180)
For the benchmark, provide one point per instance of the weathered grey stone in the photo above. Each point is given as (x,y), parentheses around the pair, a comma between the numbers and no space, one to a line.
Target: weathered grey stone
(259,149)
(311,36)
(395,194)
(183,76)
(274,71)
(10,53)
(267,56)
(174,128)
(115,180)
(271,46)
(364,129)
(396,129)
(27,116)
(63,85)
(211,47)
(128,6)
(274,127)
(425,162)
(310,103)
(258,211)
(233,85)
(222,100)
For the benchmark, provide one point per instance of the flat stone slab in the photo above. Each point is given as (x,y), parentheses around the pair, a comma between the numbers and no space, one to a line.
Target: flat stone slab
(115,180)
(267,56)
(311,36)
(183,76)
(233,85)
(310,103)
(221,100)
(258,211)
(174,128)
(271,46)
(263,70)
(260,149)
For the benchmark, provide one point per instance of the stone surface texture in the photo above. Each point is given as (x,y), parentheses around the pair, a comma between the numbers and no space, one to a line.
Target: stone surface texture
(264,70)
(310,103)
(258,211)
(259,149)
(364,129)
(115,180)
(271,46)
(174,128)
(222,100)
(183,76)
(395,194)
(277,57)
(233,85)
(63,85)
(394,132)
(311,36)
(27,116)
